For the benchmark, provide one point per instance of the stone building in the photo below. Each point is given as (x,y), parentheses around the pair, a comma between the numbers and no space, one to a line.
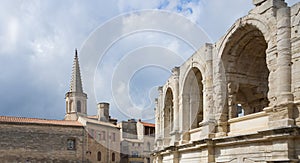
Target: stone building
(77,138)
(237,100)
(40,140)
(137,141)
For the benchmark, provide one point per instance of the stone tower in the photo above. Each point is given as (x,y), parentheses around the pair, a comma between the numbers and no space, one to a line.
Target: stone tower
(75,98)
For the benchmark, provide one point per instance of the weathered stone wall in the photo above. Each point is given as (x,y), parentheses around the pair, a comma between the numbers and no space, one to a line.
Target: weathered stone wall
(40,143)
(256,66)
(295,42)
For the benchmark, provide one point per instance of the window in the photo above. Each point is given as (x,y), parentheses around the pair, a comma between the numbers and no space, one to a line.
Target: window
(113,136)
(71,144)
(99,156)
(78,106)
(103,135)
(113,157)
(135,154)
(98,136)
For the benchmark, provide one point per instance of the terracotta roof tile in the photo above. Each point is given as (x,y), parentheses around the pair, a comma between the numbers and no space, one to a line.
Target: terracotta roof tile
(148,124)
(8,119)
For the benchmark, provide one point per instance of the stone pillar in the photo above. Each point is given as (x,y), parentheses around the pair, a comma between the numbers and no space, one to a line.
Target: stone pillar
(159,159)
(284,55)
(175,129)
(175,72)
(160,105)
(210,150)
(281,115)
(208,84)
(222,123)
(232,90)
(205,103)
(157,119)
(175,157)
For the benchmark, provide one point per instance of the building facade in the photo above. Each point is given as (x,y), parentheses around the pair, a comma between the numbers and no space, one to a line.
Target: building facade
(78,138)
(40,140)
(137,141)
(237,100)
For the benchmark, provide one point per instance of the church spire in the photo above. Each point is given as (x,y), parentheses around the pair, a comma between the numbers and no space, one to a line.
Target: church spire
(76,84)
(76,99)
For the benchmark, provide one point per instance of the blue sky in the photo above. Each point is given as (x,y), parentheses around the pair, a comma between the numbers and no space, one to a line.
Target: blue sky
(38,38)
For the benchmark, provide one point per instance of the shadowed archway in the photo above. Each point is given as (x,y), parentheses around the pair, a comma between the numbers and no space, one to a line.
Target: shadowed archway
(192,99)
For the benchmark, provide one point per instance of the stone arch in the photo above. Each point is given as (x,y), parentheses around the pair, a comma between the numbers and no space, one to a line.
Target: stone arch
(246,72)
(168,112)
(199,64)
(192,99)
(266,26)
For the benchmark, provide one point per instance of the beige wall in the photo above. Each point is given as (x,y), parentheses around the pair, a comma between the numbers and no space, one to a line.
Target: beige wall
(107,146)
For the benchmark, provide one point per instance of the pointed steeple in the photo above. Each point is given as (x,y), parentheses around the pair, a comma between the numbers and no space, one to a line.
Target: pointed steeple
(76,99)
(76,84)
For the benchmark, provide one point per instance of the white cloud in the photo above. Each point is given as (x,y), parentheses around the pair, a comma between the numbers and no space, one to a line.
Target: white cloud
(37,41)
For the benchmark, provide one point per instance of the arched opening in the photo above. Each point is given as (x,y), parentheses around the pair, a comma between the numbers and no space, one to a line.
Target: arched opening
(192,99)
(168,113)
(78,106)
(246,71)
(99,156)
(113,157)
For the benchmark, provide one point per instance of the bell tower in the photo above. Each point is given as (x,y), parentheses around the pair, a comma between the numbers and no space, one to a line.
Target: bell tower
(75,99)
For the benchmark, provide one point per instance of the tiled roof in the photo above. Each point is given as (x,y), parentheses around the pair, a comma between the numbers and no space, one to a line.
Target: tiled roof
(148,124)
(8,119)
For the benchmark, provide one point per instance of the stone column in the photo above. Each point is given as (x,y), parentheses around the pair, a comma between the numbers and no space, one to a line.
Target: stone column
(281,115)
(232,90)
(175,72)
(210,150)
(157,119)
(208,84)
(159,159)
(175,157)
(204,103)
(160,106)
(284,55)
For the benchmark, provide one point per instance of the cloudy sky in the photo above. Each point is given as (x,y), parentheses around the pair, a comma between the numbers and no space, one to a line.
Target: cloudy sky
(127,48)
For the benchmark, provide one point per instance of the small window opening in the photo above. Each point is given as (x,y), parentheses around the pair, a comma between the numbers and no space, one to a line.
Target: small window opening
(71,144)
(240,110)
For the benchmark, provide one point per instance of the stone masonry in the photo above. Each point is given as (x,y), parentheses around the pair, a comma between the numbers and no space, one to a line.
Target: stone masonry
(237,100)
(24,142)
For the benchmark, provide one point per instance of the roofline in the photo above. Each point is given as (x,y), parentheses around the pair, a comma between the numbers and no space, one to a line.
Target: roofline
(41,124)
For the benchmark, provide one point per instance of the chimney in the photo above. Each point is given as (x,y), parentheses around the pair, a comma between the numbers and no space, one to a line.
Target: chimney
(103,111)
